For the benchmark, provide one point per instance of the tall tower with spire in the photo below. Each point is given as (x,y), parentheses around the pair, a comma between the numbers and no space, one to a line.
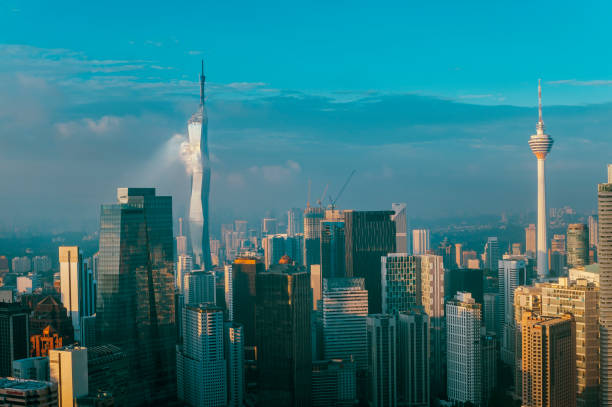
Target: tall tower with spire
(199,168)
(540,145)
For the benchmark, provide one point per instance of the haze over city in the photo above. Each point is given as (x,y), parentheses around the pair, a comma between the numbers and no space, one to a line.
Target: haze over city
(432,111)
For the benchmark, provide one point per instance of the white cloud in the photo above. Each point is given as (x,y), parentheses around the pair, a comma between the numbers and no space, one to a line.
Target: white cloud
(104,125)
(574,82)
(276,174)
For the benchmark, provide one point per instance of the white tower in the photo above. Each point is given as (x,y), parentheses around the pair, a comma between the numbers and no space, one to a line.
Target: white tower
(541,144)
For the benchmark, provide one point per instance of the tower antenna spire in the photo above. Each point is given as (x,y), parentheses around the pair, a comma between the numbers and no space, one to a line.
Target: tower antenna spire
(539,101)
(202,80)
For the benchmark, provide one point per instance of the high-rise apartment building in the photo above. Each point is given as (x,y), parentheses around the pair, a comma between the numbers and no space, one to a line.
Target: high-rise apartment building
(68,368)
(527,299)
(400,282)
(198,166)
(459,255)
(14,335)
(604,254)
(77,287)
(413,358)
(530,240)
(580,299)
(402,238)
(283,336)
(244,279)
(199,287)
(334,383)
(382,359)
(511,273)
(420,241)
(135,296)
(548,361)
(464,377)
(369,236)
(332,248)
(234,357)
(577,244)
(345,307)
(201,366)
(558,256)
(41,264)
(432,300)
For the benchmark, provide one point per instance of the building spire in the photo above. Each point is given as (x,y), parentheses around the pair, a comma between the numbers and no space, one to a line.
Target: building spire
(202,80)
(540,125)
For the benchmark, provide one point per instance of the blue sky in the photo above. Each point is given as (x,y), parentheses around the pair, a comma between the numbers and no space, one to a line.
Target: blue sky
(427,100)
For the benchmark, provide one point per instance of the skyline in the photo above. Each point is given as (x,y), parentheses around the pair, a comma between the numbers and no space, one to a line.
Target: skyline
(79,122)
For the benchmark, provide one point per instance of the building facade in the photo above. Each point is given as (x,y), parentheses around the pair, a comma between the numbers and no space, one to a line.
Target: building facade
(420,241)
(14,335)
(244,273)
(577,244)
(68,368)
(413,342)
(400,282)
(604,255)
(382,359)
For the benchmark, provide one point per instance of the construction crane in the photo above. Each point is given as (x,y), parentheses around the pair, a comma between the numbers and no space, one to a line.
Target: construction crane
(332,202)
(320,200)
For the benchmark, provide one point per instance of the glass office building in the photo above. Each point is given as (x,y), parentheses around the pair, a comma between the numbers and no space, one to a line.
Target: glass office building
(135,301)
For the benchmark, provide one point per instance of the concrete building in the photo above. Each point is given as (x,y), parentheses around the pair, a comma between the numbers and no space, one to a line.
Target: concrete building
(400,282)
(589,273)
(463,347)
(540,145)
(420,241)
(579,299)
(527,299)
(369,236)
(21,265)
(34,368)
(234,357)
(77,287)
(345,307)
(316,285)
(201,366)
(604,254)
(548,361)
(382,359)
(413,373)
(334,383)
(530,241)
(577,244)
(68,368)
(27,393)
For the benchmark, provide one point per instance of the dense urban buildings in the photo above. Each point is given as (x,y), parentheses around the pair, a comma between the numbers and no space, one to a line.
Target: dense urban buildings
(512,273)
(382,359)
(413,345)
(195,154)
(244,273)
(14,335)
(369,236)
(334,383)
(401,285)
(135,301)
(540,145)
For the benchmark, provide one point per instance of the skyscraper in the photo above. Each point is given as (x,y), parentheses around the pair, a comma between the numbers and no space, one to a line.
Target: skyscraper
(345,307)
(580,299)
(234,356)
(312,235)
(68,368)
(334,383)
(199,287)
(463,318)
(548,361)
(201,368)
(295,221)
(195,152)
(511,274)
(244,274)
(332,248)
(432,299)
(420,241)
(369,236)
(540,145)
(284,358)
(592,224)
(402,238)
(382,359)
(183,266)
(400,281)
(14,335)
(604,254)
(135,301)
(489,365)
(577,244)
(76,287)
(413,358)
(526,299)
(492,253)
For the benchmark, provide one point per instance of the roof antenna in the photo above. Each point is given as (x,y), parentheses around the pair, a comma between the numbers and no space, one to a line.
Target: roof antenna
(540,125)
(202,80)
